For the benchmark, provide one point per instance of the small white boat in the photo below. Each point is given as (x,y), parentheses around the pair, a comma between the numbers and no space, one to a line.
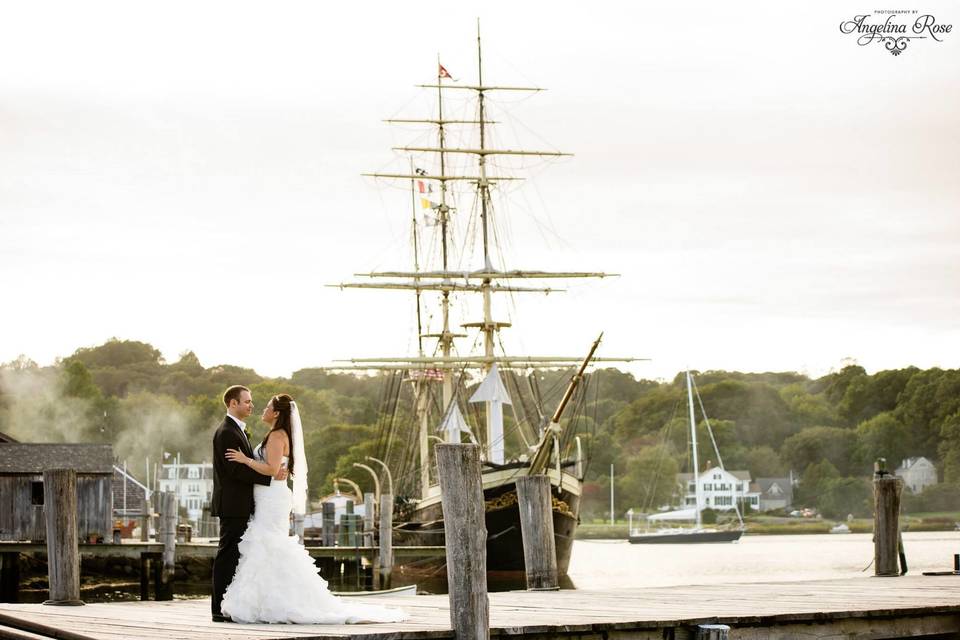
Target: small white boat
(408,590)
(840,528)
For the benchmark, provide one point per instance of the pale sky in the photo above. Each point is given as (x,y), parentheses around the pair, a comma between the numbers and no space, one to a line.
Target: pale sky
(774,196)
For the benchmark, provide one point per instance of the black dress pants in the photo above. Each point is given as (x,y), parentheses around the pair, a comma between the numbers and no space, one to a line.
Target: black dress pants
(228,555)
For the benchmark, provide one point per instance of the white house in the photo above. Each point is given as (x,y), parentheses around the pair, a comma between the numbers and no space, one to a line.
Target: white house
(775,493)
(720,489)
(193,484)
(917,473)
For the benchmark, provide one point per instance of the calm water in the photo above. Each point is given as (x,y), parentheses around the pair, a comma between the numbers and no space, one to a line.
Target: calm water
(611,564)
(603,564)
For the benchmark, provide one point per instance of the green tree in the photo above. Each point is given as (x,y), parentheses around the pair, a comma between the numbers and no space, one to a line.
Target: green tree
(845,496)
(813,444)
(648,480)
(882,436)
(814,480)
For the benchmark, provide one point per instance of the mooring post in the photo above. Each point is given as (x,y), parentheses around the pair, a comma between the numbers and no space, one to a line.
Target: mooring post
(465,532)
(298,526)
(329,524)
(9,576)
(386,539)
(63,554)
(144,520)
(886,520)
(536,527)
(168,516)
(369,508)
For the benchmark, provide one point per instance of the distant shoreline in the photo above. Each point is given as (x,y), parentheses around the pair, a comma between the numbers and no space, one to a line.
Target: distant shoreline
(619,531)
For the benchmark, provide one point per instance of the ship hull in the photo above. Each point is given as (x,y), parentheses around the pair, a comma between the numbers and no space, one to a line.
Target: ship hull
(693,537)
(424,526)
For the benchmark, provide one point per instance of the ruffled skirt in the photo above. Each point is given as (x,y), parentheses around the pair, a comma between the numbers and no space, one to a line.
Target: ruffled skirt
(276,579)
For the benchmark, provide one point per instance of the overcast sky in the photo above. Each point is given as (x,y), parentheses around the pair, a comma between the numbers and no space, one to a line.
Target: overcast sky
(774,196)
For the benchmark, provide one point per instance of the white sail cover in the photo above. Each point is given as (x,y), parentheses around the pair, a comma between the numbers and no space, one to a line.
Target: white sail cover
(679,514)
(453,423)
(492,391)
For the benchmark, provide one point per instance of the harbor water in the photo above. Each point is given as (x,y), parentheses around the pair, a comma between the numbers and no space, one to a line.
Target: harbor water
(615,564)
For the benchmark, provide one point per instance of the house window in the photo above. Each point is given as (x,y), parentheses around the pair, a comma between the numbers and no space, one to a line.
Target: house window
(692,487)
(170,473)
(740,486)
(194,472)
(708,487)
(716,476)
(753,500)
(36,493)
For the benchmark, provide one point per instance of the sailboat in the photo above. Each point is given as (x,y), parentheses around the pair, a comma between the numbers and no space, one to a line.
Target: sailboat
(538,435)
(697,533)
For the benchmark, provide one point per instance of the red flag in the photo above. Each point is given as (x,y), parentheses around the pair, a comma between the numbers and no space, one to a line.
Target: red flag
(443,73)
(420,185)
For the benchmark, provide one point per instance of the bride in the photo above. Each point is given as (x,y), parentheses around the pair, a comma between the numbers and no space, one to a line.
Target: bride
(276,579)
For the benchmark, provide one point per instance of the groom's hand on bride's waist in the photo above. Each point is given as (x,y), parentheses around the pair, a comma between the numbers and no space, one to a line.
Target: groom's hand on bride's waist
(281,474)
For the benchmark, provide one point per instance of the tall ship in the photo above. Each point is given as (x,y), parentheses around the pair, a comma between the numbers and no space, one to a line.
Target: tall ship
(463,384)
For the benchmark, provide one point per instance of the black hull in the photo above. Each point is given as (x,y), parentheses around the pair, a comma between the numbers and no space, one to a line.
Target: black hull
(504,538)
(698,537)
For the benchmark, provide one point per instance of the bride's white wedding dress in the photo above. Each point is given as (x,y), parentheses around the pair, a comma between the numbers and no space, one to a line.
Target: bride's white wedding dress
(276,580)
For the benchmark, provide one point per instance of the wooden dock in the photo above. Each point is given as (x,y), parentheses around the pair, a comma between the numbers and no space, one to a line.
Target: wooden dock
(863,608)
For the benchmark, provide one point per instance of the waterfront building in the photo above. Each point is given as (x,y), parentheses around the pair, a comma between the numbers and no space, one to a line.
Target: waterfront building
(917,473)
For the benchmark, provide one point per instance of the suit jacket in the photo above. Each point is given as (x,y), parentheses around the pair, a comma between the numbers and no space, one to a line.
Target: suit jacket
(232,482)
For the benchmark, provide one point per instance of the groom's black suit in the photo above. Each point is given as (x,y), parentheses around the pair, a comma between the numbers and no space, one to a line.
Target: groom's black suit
(232,501)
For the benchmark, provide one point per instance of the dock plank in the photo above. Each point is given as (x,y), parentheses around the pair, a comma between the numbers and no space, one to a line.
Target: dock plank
(934,602)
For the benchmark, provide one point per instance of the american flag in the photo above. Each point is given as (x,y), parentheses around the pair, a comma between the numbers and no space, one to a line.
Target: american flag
(429,374)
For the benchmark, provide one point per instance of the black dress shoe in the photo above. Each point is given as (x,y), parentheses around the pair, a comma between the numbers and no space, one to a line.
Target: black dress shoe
(221,618)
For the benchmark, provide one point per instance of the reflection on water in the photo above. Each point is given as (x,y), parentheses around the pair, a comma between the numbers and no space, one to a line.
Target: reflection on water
(617,564)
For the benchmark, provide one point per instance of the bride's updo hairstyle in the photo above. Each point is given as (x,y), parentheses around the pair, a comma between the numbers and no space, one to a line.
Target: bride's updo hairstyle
(281,404)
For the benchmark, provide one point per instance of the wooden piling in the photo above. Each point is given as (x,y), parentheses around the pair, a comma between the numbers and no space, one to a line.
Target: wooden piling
(168,534)
(329,524)
(63,555)
(369,510)
(458,468)
(9,577)
(386,539)
(886,521)
(144,520)
(536,528)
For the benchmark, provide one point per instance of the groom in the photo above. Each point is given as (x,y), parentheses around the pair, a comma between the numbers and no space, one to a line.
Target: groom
(233,484)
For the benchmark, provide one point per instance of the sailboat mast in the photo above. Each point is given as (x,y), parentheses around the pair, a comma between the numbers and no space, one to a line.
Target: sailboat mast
(488,325)
(446,337)
(693,440)
(416,255)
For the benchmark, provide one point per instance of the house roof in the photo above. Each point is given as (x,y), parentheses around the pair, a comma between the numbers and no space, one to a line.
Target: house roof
(909,463)
(35,458)
(764,486)
(739,474)
(134,489)
(205,470)
(5,439)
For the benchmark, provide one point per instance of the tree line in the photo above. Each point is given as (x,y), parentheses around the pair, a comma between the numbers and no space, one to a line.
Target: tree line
(826,431)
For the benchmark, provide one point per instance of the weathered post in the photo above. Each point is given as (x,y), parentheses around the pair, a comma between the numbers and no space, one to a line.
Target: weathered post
(386,539)
(329,524)
(886,520)
(536,527)
(458,468)
(168,533)
(298,526)
(9,576)
(63,553)
(144,520)
(369,508)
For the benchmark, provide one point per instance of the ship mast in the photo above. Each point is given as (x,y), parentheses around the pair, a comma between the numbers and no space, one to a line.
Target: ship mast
(486,280)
